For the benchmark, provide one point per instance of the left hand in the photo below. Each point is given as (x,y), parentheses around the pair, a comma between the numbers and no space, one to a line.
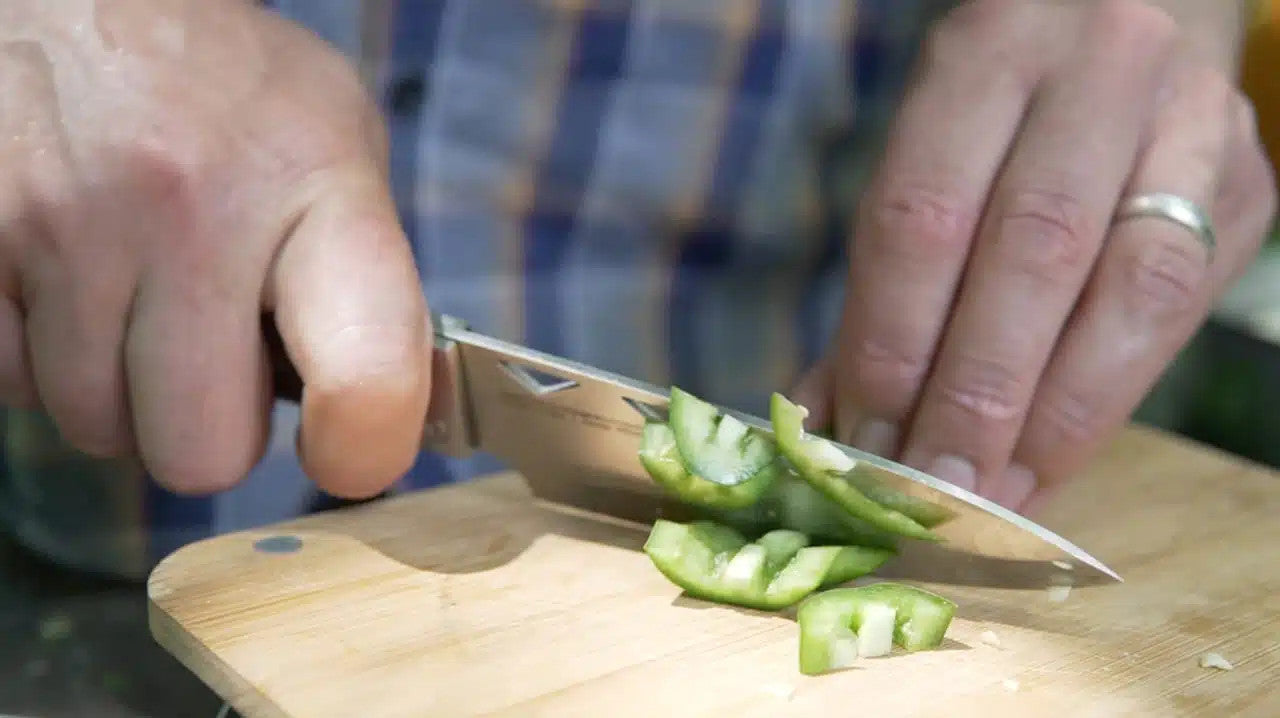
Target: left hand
(999,325)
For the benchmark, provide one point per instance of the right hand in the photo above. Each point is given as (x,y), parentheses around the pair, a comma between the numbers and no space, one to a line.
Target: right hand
(170,170)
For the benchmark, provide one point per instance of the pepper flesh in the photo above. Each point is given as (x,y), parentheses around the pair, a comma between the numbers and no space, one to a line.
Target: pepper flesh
(792,503)
(714,445)
(661,459)
(714,562)
(830,622)
(925,513)
(824,466)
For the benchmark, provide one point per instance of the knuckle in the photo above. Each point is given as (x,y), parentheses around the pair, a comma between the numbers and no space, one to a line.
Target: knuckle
(1127,26)
(313,148)
(1164,276)
(886,370)
(1073,417)
(1255,170)
(168,164)
(919,221)
(46,195)
(1202,97)
(1243,114)
(1258,200)
(986,391)
(374,361)
(1264,192)
(979,17)
(1045,234)
(1212,90)
(353,124)
(1247,191)
(987,31)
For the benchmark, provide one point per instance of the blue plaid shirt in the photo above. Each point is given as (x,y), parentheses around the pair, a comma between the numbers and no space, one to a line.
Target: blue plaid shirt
(662,188)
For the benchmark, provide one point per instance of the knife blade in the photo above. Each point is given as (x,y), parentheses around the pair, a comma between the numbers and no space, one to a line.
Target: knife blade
(573,432)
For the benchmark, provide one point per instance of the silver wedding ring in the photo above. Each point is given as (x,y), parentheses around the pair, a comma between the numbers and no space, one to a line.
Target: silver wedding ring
(1173,208)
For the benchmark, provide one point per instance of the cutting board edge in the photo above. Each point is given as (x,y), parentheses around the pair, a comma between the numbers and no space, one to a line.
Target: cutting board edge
(176,638)
(206,665)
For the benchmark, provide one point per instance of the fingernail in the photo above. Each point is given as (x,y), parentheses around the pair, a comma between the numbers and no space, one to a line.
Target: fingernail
(1039,500)
(954,470)
(1018,485)
(847,419)
(875,436)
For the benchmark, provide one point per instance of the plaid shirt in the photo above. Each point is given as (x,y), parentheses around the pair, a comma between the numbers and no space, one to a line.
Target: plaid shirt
(661,188)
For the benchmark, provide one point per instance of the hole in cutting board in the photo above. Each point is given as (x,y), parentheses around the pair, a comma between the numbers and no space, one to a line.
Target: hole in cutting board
(278,544)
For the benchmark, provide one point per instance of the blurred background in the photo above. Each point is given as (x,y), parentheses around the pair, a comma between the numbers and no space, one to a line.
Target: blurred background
(77,646)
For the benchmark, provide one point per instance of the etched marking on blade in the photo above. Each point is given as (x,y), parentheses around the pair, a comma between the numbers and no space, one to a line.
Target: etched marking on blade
(651,412)
(537,381)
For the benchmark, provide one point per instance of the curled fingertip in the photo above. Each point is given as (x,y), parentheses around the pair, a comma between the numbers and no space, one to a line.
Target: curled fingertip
(1039,500)
(1015,488)
(353,449)
(875,436)
(198,471)
(813,392)
(363,415)
(194,474)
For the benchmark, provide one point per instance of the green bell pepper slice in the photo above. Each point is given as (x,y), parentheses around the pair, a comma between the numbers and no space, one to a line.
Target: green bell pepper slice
(714,562)
(714,445)
(661,459)
(840,625)
(925,513)
(825,467)
(792,503)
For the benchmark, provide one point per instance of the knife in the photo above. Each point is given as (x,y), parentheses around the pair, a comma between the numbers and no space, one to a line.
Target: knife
(572,431)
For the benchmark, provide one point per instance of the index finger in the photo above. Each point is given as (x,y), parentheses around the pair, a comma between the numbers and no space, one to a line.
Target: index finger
(915,228)
(353,319)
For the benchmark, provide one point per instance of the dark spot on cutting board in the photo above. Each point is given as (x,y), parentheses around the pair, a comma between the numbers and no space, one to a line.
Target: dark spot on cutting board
(278,544)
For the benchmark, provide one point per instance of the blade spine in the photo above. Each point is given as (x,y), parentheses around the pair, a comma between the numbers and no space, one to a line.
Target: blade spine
(519,352)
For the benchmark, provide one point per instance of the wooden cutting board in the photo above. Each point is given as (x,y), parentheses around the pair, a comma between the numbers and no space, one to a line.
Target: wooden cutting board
(476,600)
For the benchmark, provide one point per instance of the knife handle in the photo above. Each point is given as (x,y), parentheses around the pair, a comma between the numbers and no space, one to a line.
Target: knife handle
(285,382)
(448,424)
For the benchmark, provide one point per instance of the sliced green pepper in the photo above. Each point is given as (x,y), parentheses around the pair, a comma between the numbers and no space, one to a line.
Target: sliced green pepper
(925,513)
(661,458)
(714,445)
(791,503)
(825,466)
(716,563)
(839,625)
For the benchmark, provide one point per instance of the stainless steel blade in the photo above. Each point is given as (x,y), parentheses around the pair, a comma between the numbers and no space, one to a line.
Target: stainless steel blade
(573,432)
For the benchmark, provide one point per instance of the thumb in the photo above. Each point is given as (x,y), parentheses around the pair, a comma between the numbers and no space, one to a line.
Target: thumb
(353,320)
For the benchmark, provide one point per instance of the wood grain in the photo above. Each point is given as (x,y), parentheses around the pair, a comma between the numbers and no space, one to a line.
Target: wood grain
(476,600)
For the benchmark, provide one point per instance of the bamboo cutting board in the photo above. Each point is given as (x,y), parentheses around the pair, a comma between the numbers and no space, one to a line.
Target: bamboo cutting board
(475,600)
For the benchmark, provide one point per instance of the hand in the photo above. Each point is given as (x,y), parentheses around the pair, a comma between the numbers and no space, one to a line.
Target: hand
(998,325)
(171,170)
